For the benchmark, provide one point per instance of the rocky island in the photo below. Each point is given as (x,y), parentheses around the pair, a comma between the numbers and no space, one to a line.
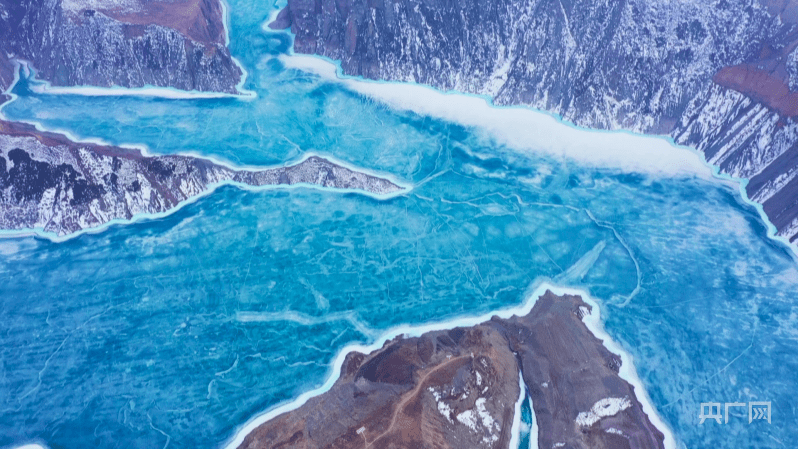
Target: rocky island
(50,183)
(458,389)
(720,76)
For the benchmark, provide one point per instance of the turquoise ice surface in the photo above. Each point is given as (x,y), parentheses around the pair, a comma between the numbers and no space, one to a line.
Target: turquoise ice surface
(178,330)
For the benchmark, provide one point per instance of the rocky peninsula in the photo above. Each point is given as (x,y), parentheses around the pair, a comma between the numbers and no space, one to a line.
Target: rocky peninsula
(458,389)
(52,184)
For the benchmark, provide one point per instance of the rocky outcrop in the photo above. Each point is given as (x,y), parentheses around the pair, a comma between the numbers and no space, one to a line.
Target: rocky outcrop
(6,76)
(458,389)
(718,75)
(128,43)
(50,183)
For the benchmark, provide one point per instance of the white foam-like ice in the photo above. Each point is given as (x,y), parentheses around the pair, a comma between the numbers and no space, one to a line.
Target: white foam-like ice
(592,321)
(522,127)
(31,446)
(42,87)
(528,129)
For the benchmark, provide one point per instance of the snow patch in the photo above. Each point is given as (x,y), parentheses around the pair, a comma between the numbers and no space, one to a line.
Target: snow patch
(443,408)
(468,418)
(487,420)
(601,409)
(115,5)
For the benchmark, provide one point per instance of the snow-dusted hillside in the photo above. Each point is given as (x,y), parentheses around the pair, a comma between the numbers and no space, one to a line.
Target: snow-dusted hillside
(641,65)
(50,183)
(129,43)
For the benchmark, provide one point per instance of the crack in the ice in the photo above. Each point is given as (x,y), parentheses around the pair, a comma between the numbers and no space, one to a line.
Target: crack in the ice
(719,371)
(637,288)
(168,438)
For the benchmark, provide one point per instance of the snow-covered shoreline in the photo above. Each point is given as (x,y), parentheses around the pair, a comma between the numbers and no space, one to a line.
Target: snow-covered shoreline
(591,320)
(521,127)
(528,129)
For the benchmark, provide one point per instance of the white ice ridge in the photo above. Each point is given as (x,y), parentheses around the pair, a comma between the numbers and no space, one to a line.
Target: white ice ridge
(157,92)
(591,320)
(303,319)
(523,128)
(601,409)
(44,87)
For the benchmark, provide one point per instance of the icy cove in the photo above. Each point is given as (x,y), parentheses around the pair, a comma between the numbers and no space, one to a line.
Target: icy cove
(175,331)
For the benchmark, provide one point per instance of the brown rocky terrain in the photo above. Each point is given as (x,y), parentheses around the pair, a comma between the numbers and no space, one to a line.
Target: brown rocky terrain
(200,20)
(762,85)
(458,389)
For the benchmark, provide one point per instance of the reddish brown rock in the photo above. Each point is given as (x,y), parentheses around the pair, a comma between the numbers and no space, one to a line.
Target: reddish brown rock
(200,20)
(458,389)
(762,86)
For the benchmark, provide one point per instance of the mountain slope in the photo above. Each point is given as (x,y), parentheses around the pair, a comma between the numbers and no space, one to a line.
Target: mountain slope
(128,43)
(719,76)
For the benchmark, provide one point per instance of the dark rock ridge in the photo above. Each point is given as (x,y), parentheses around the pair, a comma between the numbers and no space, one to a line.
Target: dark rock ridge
(718,75)
(458,389)
(128,43)
(51,183)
